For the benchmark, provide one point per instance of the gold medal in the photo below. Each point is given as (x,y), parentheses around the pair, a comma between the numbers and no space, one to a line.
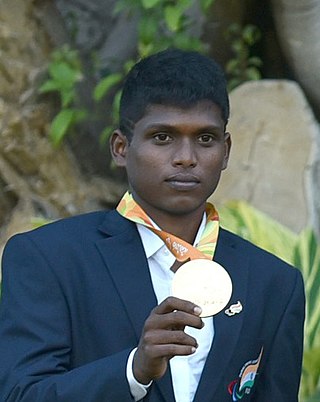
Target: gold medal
(205,283)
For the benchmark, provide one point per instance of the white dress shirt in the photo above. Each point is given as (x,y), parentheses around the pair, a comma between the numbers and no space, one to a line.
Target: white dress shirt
(185,370)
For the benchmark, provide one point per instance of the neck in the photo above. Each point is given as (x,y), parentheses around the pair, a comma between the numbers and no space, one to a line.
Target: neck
(183,226)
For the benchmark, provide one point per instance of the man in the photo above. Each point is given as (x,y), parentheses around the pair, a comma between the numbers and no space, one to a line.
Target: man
(87,312)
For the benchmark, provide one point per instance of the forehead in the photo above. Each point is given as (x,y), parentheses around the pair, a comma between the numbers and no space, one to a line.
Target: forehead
(204,113)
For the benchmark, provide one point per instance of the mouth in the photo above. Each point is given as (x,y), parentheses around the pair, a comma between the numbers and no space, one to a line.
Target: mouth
(183,182)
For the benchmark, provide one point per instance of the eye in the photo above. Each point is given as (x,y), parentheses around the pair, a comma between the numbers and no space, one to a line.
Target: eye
(162,138)
(205,138)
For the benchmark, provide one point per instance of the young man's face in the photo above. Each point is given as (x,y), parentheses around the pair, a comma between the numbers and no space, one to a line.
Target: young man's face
(175,157)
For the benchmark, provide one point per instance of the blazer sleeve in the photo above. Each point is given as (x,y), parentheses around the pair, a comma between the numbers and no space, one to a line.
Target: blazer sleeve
(35,338)
(280,378)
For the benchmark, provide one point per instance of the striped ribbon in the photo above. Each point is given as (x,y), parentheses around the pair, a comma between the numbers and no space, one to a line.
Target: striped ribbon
(181,249)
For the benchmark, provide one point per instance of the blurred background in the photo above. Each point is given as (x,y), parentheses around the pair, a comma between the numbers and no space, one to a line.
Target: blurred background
(61,68)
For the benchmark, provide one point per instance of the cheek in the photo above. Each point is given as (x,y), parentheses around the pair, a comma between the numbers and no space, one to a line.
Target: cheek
(142,170)
(145,161)
(214,161)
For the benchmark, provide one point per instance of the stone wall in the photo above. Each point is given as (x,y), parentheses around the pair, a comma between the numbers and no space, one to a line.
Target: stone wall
(275,155)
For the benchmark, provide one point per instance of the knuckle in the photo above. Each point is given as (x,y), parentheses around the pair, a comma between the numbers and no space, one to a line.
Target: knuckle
(147,338)
(148,350)
(177,317)
(170,300)
(151,322)
(180,337)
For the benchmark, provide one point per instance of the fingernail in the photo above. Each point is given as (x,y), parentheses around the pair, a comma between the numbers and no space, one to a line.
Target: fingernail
(197,310)
(193,349)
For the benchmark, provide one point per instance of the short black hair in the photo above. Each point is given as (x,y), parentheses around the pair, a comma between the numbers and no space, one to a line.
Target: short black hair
(172,77)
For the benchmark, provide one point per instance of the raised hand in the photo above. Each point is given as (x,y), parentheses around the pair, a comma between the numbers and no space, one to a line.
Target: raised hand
(163,337)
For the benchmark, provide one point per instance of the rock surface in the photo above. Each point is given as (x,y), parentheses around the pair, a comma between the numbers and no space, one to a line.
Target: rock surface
(274,163)
(36,180)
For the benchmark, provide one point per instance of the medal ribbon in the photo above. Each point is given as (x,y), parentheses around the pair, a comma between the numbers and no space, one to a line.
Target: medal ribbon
(181,249)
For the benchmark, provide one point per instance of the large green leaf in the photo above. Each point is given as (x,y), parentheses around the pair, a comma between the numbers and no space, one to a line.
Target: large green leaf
(150,3)
(60,125)
(49,86)
(315,397)
(64,74)
(172,16)
(307,258)
(311,369)
(310,384)
(147,30)
(105,85)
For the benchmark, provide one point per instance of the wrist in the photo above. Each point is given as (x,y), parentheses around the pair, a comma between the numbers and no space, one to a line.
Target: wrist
(139,374)
(138,390)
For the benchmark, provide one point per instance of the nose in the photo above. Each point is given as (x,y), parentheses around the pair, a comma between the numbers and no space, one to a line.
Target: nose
(184,154)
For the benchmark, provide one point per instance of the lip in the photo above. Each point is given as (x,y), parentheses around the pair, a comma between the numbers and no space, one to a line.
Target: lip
(183,182)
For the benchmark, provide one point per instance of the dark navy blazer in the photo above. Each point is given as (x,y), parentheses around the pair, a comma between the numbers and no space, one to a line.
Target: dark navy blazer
(76,293)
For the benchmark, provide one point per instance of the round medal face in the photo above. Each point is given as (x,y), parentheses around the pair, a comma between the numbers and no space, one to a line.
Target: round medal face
(205,283)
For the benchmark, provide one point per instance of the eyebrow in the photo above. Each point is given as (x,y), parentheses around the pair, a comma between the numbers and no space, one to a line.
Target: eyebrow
(172,127)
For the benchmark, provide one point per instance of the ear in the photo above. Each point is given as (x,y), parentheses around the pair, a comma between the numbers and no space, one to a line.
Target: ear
(227,144)
(119,147)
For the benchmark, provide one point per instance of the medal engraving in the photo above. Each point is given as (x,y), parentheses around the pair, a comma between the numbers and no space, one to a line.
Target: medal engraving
(205,283)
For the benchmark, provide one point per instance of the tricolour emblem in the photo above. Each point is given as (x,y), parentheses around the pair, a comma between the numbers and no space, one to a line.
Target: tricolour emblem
(243,385)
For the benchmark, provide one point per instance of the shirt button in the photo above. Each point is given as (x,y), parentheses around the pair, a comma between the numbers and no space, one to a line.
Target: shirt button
(166,251)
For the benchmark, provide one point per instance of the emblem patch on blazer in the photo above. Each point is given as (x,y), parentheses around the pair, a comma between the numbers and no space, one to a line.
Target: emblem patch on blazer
(243,385)
(234,309)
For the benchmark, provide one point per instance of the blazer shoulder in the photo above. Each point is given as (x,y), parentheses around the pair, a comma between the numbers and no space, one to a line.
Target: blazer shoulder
(75,227)
(258,257)
(267,273)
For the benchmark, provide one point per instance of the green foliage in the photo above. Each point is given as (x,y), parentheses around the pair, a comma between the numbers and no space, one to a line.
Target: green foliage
(65,72)
(104,86)
(307,257)
(162,24)
(253,225)
(314,398)
(62,122)
(311,368)
(302,251)
(243,67)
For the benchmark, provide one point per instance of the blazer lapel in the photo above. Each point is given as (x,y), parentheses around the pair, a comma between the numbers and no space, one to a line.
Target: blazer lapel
(227,329)
(124,257)
(125,260)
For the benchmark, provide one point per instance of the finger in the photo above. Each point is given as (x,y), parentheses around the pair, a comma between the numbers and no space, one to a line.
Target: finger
(175,320)
(169,350)
(162,337)
(173,303)
(179,320)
